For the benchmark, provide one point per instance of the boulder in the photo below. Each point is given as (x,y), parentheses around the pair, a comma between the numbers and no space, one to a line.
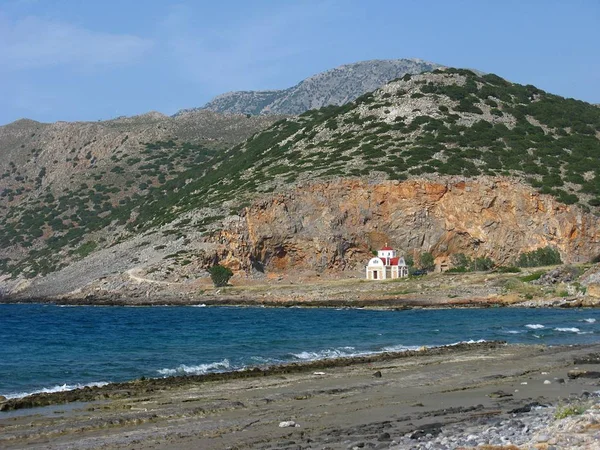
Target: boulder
(573,374)
(593,290)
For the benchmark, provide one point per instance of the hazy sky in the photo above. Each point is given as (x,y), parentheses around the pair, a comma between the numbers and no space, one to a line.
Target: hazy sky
(97,59)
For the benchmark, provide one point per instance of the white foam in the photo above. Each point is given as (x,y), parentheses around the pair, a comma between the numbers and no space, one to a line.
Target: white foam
(588,320)
(199,306)
(514,332)
(568,330)
(535,326)
(329,354)
(57,388)
(200,369)
(470,341)
(400,348)
(346,352)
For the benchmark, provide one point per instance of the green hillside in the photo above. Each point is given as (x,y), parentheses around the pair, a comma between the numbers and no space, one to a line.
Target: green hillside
(447,122)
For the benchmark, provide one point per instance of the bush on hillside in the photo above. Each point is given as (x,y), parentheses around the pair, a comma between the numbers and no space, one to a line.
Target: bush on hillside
(426,261)
(220,275)
(546,256)
(462,263)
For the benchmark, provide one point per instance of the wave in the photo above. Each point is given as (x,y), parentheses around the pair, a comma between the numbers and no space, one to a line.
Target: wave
(588,320)
(535,326)
(349,352)
(568,330)
(400,348)
(200,369)
(514,331)
(57,388)
(202,305)
(341,352)
(470,341)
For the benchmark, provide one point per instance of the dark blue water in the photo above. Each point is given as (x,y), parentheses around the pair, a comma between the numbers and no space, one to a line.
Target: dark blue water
(51,347)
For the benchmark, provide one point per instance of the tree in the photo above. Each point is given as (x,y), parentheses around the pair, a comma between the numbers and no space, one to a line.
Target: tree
(482,264)
(426,261)
(460,262)
(220,275)
(545,256)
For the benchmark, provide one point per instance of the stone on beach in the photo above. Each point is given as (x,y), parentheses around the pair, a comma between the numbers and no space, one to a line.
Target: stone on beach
(499,394)
(574,374)
(288,424)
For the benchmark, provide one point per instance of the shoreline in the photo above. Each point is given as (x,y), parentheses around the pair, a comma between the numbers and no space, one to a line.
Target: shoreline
(451,290)
(443,398)
(116,389)
(384,304)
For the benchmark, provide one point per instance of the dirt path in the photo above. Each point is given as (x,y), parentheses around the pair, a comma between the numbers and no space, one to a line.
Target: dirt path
(132,275)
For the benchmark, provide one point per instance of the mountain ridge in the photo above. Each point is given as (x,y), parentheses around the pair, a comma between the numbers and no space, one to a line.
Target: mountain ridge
(332,87)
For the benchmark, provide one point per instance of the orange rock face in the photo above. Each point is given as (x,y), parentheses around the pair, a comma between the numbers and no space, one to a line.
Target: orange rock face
(336,225)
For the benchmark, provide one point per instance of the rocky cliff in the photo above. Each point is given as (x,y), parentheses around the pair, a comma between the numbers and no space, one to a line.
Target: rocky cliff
(333,87)
(335,225)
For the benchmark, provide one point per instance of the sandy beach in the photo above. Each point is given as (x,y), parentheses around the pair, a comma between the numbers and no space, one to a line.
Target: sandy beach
(384,401)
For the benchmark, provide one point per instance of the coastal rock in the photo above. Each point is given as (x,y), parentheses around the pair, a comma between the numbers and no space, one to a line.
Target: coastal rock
(384,437)
(574,374)
(335,225)
(499,394)
(592,358)
(288,424)
(593,290)
(563,274)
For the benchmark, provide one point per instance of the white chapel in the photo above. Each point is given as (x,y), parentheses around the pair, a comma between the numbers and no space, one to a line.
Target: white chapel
(386,265)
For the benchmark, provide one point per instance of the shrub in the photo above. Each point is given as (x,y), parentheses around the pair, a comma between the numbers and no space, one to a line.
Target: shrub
(508,269)
(573,409)
(426,261)
(480,264)
(220,275)
(532,277)
(460,262)
(546,256)
(463,263)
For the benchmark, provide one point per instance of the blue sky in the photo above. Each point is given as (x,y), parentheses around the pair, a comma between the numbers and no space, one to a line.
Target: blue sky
(91,60)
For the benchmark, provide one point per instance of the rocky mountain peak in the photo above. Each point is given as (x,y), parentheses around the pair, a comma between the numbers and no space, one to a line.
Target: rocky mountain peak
(333,87)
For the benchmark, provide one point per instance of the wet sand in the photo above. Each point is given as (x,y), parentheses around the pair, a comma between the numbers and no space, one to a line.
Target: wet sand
(335,404)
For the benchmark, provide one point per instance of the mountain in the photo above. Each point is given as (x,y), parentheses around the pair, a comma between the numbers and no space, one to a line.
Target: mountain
(447,162)
(483,145)
(333,87)
(62,182)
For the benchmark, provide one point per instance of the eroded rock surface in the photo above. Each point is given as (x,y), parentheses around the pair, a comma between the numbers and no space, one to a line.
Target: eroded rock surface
(336,225)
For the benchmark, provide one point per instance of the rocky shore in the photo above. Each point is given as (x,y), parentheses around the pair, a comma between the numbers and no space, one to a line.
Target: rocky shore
(488,395)
(534,287)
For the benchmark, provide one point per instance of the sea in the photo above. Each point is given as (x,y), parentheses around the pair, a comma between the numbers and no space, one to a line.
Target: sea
(49,348)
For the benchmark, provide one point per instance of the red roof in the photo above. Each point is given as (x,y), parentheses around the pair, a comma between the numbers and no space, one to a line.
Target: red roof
(387,248)
(394,261)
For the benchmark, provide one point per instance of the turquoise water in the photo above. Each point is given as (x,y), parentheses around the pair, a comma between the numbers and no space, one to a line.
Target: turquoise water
(47,347)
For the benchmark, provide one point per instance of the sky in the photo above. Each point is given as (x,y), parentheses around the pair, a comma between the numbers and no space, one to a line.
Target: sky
(98,59)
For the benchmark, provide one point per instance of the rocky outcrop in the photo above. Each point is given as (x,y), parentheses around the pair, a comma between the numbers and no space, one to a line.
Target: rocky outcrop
(336,225)
(333,87)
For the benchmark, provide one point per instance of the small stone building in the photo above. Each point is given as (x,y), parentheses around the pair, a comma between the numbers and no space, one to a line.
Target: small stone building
(386,265)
